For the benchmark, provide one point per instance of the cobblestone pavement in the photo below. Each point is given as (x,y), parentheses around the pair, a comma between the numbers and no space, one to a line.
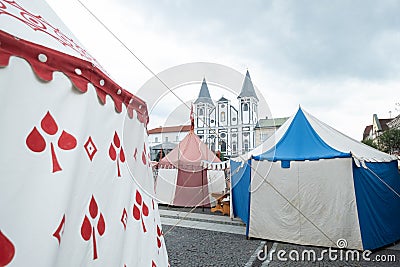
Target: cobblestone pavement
(194,247)
(210,247)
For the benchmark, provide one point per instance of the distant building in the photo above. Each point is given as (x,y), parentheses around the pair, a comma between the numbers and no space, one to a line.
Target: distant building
(166,138)
(377,127)
(222,126)
(267,127)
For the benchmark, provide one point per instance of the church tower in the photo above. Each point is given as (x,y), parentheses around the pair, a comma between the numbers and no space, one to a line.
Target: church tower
(248,113)
(204,117)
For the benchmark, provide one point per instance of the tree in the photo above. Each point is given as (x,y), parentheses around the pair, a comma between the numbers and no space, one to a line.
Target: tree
(389,141)
(370,142)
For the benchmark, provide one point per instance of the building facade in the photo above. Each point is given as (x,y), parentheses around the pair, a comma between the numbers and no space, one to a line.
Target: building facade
(221,125)
(378,127)
(267,127)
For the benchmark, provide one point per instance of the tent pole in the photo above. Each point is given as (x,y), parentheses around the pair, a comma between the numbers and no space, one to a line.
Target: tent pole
(202,187)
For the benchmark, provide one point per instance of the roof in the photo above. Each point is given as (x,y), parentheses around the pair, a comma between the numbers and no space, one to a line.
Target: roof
(381,123)
(384,124)
(395,123)
(248,88)
(170,129)
(166,146)
(204,94)
(301,142)
(367,131)
(276,122)
(223,99)
(333,138)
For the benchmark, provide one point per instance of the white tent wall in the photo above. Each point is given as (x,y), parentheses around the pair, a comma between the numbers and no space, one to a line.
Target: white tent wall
(216,183)
(322,190)
(342,142)
(34,199)
(166,185)
(74,187)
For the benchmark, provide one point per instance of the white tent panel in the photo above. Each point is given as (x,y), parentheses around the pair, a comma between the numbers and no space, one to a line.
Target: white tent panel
(166,185)
(36,22)
(343,143)
(278,220)
(216,183)
(39,198)
(321,191)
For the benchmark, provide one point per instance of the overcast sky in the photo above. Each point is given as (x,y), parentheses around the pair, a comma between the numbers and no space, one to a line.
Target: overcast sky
(340,60)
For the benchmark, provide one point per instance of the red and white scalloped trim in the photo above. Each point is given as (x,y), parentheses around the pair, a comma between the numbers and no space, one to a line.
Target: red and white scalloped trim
(44,61)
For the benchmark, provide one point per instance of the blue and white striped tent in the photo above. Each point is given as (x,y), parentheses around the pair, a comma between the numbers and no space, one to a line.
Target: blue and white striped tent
(312,185)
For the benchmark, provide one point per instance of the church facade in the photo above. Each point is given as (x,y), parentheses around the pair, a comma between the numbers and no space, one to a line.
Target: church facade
(221,125)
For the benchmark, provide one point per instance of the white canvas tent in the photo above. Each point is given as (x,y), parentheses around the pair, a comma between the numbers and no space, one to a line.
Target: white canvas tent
(74,188)
(312,185)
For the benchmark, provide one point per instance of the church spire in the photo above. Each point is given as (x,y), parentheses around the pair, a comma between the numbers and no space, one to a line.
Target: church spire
(248,88)
(204,95)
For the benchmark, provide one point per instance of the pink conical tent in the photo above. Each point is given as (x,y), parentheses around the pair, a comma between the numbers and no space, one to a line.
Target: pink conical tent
(182,180)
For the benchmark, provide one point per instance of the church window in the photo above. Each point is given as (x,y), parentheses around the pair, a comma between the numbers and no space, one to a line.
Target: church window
(201,112)
(245,107)
(222,106)
(223,135)
(222,116)
(223,146)
(246,145)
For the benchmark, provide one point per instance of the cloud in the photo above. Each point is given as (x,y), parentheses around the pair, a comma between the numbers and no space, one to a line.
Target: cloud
(339,59)
(318,39)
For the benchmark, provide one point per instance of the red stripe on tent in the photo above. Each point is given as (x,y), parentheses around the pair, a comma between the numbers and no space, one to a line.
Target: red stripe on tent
(44,61)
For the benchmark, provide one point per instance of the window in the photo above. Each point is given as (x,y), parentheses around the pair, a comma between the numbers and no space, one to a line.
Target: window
(156,139)
(223,135)
(245,107)
(166,139)
(177,138)
(201,112)
(222,116)
(234,147)
(246,145)
(223,146)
